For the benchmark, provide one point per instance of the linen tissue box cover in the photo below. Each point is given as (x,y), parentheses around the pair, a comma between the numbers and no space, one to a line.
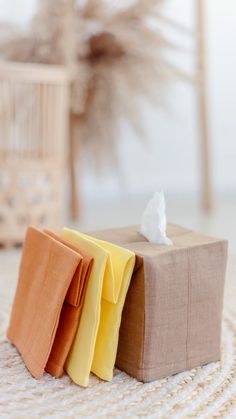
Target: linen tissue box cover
(172,315)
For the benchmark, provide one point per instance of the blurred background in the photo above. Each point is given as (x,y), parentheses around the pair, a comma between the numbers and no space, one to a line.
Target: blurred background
(120,148)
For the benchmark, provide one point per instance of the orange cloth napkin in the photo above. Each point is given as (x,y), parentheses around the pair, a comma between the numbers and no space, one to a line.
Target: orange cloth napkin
(47,269)
(70,314)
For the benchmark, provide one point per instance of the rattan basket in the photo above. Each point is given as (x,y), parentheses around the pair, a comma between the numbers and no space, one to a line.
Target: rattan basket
(33,129)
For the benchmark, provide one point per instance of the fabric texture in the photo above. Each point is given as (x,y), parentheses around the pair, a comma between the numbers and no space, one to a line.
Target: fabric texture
(79,361)
(46,271)
(115,287)
(172,315)
(71,311)
(98,330)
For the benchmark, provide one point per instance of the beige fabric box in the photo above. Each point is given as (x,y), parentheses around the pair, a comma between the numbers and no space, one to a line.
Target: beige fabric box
(171,321)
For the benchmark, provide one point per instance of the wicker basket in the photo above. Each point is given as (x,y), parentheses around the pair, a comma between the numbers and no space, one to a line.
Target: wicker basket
(33,124)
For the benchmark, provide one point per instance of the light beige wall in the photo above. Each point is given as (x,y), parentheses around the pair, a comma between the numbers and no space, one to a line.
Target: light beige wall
(172,158)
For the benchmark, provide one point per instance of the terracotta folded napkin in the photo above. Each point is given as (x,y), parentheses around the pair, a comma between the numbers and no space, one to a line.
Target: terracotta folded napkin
(47,270)
(100,320)
(70,313)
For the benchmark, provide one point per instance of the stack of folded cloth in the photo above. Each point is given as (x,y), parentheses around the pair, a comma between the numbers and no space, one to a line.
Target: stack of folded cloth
(68,304)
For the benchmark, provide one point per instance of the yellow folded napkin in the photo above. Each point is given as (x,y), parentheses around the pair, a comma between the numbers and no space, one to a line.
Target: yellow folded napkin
(95,345)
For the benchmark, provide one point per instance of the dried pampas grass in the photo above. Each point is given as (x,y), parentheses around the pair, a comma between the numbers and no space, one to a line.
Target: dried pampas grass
(115,54)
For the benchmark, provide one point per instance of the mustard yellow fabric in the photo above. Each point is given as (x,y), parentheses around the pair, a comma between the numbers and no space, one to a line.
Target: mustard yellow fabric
(80,358)
(95,345)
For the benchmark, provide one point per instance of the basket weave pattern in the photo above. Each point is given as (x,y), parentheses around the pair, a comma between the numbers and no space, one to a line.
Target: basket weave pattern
(33,119)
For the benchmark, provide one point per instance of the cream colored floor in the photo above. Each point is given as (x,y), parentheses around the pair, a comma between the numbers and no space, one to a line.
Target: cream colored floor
(111,213)
(221,222)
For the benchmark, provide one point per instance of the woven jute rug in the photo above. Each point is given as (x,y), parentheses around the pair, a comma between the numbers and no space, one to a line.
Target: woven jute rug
(205,392)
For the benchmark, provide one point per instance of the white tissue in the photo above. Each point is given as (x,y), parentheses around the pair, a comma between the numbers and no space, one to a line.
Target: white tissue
(153,222)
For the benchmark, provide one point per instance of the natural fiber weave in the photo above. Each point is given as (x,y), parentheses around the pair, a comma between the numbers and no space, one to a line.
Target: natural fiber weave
(201,393)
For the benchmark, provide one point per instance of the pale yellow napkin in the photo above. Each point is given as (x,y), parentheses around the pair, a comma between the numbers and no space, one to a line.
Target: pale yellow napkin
(95,345)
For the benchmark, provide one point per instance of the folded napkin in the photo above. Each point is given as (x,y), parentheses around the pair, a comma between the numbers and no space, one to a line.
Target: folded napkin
(70,314)
(100,320)
(47,270)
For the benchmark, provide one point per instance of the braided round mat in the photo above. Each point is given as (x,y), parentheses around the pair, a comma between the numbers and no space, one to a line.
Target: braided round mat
(204,392)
